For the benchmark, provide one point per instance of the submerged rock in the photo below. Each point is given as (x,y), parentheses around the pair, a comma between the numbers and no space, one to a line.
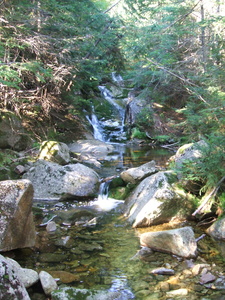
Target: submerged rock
(69,293)
(179,241)
(51,180)
(17,229)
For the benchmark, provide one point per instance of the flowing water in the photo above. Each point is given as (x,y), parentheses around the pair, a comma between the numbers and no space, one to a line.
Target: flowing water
(94,247)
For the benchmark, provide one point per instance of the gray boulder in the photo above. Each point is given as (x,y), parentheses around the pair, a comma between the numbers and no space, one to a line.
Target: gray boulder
(217,229)
(188,152)
(27,276)
(55,152)
(11,286)
(17,229)
(155,201)
(134,175)
(51,180)
(94,148)
(179,241)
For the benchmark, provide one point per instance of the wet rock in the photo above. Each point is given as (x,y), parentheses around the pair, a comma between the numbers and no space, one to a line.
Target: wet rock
(17,229)
(179,292)
(69,293)
(134,175)
(207,277)
(217,229)
(51,226)
(52,257)
(12,286)
(155,201)
(163,271)
(64,277)
(48,283)
(55,152)
(180,241)
(51,180)
(75,215)
(196,269)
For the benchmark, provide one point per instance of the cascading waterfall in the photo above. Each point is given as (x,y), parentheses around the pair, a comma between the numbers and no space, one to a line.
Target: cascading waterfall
(97,128)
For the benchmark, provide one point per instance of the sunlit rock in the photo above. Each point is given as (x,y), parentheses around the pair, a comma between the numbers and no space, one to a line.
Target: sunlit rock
(180,242)
(188,152)
(217,229)
(51,180)
(95,148)
(55,152)
(156,201)
(17,229)
(133,175)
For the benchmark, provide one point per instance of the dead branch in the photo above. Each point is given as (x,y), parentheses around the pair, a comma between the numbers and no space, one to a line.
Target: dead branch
(209,196)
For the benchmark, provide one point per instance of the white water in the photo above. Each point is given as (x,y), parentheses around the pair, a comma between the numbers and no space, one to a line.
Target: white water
(97,128)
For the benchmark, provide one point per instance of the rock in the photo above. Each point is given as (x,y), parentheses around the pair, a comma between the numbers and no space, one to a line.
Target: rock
(48,283)
(51,226)
(27,276)
(155,201)
(95,148)
(207,278)
(11,286)
(217,229)
(65,277)
(17,229)
(188,152)
(179,241)
(163,271)
(55,152)
(134,175)
(69,293)
(51,180)
(12,133)
(179,292)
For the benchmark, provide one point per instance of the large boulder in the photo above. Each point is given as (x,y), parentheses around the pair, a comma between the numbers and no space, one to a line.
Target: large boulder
(94,148)
(11,286)
(51,180)
(188,152)
(12,133)
(134,175)
(155,201)
(217,229)
(55,152)
(17,229)
(179,241)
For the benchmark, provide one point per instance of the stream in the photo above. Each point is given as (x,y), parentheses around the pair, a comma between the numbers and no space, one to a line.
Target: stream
(101,253)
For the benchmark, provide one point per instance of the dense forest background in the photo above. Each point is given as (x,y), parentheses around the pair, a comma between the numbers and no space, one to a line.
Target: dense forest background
(54,54)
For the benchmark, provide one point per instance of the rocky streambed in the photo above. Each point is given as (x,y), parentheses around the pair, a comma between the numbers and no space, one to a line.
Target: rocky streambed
(91,250)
